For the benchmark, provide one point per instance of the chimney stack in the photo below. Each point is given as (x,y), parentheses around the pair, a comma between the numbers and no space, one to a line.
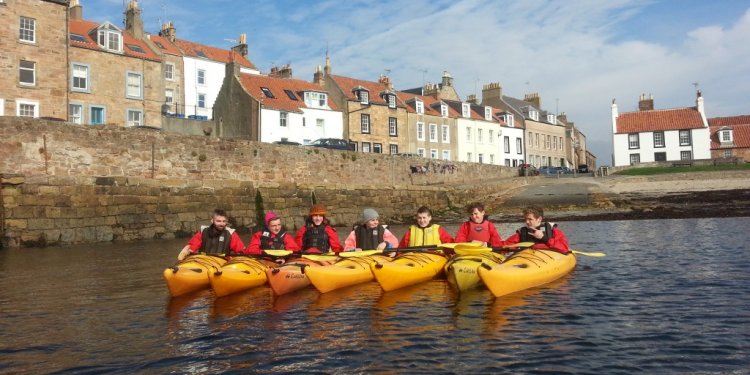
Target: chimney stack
(133,21)
(447,79)
(534,99)
(318,78)
(75,11)
(492,94)
(431,89)
(241,47)
(385,81)
(646,103)
(282,72)
(472,99)
(168,31)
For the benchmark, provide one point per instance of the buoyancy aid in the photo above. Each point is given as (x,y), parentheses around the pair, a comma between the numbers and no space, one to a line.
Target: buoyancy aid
(424,236)
(213,241)
(316,236)
(368,239)
(267,242)
(545,227)
(479,232)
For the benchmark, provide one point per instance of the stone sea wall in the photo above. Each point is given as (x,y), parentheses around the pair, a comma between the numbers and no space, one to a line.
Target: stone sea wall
(63,184)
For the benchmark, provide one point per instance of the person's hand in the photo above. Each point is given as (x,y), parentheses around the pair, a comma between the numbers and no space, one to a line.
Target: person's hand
(536,233)
(382,245)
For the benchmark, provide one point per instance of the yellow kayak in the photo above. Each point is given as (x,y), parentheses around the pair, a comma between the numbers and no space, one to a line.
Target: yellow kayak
(240,273)
(346,272)
(461,270)
(408,269)
(191,273)
(526,269)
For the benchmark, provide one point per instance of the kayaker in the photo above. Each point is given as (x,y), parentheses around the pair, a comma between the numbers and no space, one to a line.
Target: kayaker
(425,233)
(545,235)
(478,228)
(216,238)
(272,237)
(370,234)
(317,235)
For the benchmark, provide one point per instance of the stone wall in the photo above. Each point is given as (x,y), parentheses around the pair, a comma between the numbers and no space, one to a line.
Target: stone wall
(65,184)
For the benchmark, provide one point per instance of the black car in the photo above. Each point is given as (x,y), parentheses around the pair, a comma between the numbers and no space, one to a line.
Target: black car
(583,168)
(332,143)
(285,142)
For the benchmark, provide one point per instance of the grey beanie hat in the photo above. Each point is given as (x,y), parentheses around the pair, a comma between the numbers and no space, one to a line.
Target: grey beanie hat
(369,214)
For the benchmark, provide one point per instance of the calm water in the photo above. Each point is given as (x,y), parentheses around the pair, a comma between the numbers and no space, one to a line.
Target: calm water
(671,296)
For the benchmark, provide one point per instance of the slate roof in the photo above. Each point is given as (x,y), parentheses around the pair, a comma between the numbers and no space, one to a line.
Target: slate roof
(659,120)
(84,29)
(518,104)
(347,86)
(740,130)
(252,83)
(195,50)
(431,104)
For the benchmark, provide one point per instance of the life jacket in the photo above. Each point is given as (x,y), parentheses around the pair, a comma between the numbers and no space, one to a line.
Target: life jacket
(368,239)
(316,236)
(213,242)
(270,242)
(479,232)
(424,236)
(545,227)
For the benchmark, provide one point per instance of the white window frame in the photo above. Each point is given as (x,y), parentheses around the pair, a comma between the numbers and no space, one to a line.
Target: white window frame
(392,126)
(91,112)
(168,96)
(469,157)
(169,71)
(509,119)
(446,154)
(283,119)
(445,134)
(314,99)
(134,122)
(490,136)
(635,159)
(443,110)
(506,144)
(84,78)
(27,30)
(128,85)
(551,119)
(419,106)
(391,101)
(727,153)
(365,146)
(488,113)
(492,159)
(364,124)
(25,102)
(377,148)
(659,140)
(480,135)
(686,155)
(200,77)
(433,153)
(480,158)
(364,96)
(685,138)
(320,123)
(32,70)
(726,136)
(433,133)
(2,101)
(393,149)
(465,109)
(420,131)
(634,141)
(109,38)
(468,134)
(519,145)
(420,152)
(534,114)
(201,100)
(75,113)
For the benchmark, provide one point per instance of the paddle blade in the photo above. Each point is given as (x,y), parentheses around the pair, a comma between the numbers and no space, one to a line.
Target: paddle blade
(277,253)
(363,253)
(588,254)
(462,249)
(320,257)
(520,245)
(462,244)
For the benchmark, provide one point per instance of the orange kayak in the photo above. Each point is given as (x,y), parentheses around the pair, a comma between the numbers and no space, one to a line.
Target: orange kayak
(240,273)
(291,276)
(191,273)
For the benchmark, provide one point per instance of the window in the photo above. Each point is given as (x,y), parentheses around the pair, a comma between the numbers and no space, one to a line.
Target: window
(290,94)
(201,100)
(465,109)
(135,117)
(480,158)
(27,73)
(519,146)
(267,92)
(633,141)
(536,140)
(488,113)
(169,96)
(282,119)
(392,126)
(506,144)
(169,71)
(80,77)
(548,143)
(446,155)
(509,119)
(75,37)
(110,38)
(27,108)
(201,79)
(492,159)
(393,149)
(75,113)
(391,101)
(684,137)
(469,157)
(480,132)
(725,136)
(316,99)
(551,119)
(445,134)
(433,132)
(635,158)
(97,116)
(658,139)
(134,85)
(419,106)
(135,48)
(490,135)
(27,29)
(353,146)
(534,115)
(727,153)
(420,131)
(433,154)
(420,152)
(320,123)
(365,125)
(443,110)
(377,148)
(660,156)
(531,139)
(364,96)
(686,155)
(365,146)
(554,143)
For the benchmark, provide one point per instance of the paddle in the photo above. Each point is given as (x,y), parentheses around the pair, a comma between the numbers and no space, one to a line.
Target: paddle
(588,254)
(362,253)
(320,257)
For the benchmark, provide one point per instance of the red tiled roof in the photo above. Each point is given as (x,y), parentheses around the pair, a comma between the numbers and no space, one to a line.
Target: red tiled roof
(165,45)
(740,126)
(281,101)
(84,29)
(729,121)
(659,120)
(347,85)
(429,104)
(193,49)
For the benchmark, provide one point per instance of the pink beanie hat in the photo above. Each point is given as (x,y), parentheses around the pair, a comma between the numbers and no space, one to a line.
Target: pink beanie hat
(270,215)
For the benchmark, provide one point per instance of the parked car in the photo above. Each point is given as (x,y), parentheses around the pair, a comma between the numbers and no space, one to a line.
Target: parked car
(285,142)
(583,168)
(408,155)
(527,170)
(332,143)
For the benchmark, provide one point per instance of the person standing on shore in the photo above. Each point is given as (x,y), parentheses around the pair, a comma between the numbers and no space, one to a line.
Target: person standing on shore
(478,228)
(424,233)
(317,235)
(544,235)
(370,234)
(216,238)
(273,236)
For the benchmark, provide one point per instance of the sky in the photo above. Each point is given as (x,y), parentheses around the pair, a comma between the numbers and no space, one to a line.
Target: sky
(578,56)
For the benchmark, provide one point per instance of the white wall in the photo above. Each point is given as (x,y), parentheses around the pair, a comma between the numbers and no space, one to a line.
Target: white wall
(515,154)
(295,131)
(700,146)
(491,149)
(214,79)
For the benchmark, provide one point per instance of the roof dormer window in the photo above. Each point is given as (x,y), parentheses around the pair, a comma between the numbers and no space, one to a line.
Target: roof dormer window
(465,110)
(109,37)
(551,119)
(508,118)
(533,114)
(488,113)
(443,109)
(419,106)
(315,99)
(362,94)
(391,100)
(726,136)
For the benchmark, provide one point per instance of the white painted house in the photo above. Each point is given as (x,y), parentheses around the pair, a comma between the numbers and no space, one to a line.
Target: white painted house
(649,135)
(481,136)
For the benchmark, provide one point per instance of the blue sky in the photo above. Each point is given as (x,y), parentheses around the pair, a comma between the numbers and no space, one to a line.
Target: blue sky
(578,55)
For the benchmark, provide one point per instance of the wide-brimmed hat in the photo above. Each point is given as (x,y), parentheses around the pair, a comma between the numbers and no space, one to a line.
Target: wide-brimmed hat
(318,209)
